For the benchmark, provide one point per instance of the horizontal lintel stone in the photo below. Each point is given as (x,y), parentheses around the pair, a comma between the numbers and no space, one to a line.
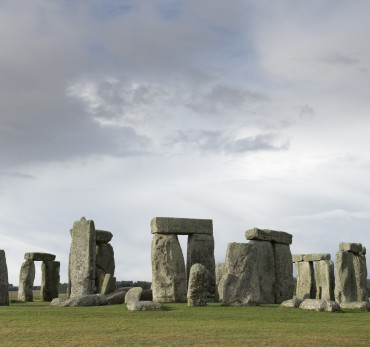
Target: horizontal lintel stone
(103,236)
(269,235)
(310,257)
(351,247)
(181,226)
(39,256)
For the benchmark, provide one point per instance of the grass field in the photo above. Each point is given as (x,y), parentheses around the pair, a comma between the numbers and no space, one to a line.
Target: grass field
(39,324)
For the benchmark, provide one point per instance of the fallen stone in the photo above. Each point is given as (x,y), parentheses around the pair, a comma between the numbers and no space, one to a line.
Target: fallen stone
(144,306)
(146,295)
(269,235)
(200,250)
(306,285)
(266,270)
(284,282)
(241,278)
(103,236)
(168,269)
(325,282)
(350,247)
(82,258)
(106,286)
(116,298)
(198,285)
(181,226)
(39,256)
(4,284)
(50,279)
(291,303)
(356,305)
(320,305)
(310,257)
(220,269)
(133,294)
(26,278)
(83,300)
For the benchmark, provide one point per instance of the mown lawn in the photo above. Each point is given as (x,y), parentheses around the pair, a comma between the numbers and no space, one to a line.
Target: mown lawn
(39,324)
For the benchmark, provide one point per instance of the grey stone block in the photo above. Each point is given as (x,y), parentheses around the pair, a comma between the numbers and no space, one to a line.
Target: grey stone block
(116,298)
(306,285)
(198,284)
(181,226)
(284,282)
(325,282)
(310,257)
(39,256)
(350,247)
(294,303)
(133,294)
(4,284)
(26,278)
(220,269)
(320,305)
(81,300)
(269,235)
(144,306)
(356,305)
(50,280)
(103,236)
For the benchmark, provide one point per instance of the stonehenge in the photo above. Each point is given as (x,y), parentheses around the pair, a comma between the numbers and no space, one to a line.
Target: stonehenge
(4,294)
(198,288)
(169,277)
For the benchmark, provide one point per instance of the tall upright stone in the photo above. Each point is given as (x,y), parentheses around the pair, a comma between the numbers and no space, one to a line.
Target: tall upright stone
(26,278)
(4,284)
(324,275)
(200,250)
(359,261)
(266,270)
(50,280)
(306,284)
(220,269)
(168,269)
(241,278)
(198,280)
(82,260)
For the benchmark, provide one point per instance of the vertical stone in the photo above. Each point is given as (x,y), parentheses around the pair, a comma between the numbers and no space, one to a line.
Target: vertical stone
(168,269)
(306,285)
(26,278)
(266,270)
(324,272)
(198,283)
(240,281)
(284,282)
(220,269)
(345,281)
(4,284)
(106,286)
(49,280)
(105,258)
(82,258)
(200,250)
(359,263)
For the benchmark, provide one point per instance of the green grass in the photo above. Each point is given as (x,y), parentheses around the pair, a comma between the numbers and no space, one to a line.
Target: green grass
(38,324)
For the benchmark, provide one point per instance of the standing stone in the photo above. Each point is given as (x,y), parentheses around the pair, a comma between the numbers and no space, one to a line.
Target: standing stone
(266,270)
(198,284)
(220,269)
(324,272)
(4,284)
(168,269)
(105,258)
(284,282)
(359,262)
(82,258)
(241,278)
(306,285)
(26,278)
(133,294)
(345,280)
(200,250)
(106,286)
(49,280)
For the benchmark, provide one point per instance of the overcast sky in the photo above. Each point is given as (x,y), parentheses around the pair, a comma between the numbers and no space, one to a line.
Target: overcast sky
(249,113)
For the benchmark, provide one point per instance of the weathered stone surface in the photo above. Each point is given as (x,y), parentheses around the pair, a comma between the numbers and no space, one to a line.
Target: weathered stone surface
(320,305)
(49,280)
(269,235)
(105,258)
(350,247)
(82,258)
(359,262)
(220,269)
(133,294)
(198,285)
(325,282)
(200,250)
(4,284)
(181,226)
(39,256)
(146,295)
(106,286)
(306,284)
(144,306)
(168,269)
(266,270)
(291,303)
(82,300)
(363,250)
(116,298)
(26,278)
(311,257)
(99,279)
(103,236)
(241,280)
(284,282)
(356,305)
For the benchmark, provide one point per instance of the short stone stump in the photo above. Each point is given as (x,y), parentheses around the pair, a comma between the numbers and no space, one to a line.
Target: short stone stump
(320,305)
(294,303)
(144,306)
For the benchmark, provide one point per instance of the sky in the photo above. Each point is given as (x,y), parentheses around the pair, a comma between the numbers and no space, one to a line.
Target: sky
(249,113)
